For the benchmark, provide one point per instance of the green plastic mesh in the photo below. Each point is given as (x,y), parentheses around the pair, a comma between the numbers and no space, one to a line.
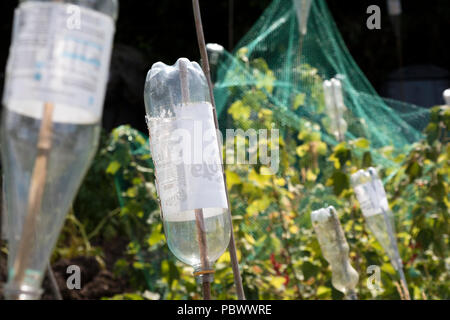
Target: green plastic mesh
(299,63)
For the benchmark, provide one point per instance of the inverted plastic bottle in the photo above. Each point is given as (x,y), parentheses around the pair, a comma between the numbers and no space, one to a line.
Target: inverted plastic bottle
(188,167)
(302,9)
(59,57)
(215,52)
(372,198)
(446,96)
(335,107)
(335,249)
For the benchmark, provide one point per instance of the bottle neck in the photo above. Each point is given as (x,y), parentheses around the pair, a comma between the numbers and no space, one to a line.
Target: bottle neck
(202,275)
(21,292)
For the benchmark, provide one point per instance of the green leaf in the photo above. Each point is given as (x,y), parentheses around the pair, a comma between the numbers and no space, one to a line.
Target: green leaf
(239,111)
(232,179)
(155,237)
(339,181)
(367,160)
(309,270)
(361,143)
(299,100)
(323,292)
(277,282)
(113,167)
(414,170)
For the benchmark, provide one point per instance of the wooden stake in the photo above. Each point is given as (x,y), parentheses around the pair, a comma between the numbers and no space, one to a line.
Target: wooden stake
(206,70)
(201,237)
(394,246)
(35,194)
(199,218)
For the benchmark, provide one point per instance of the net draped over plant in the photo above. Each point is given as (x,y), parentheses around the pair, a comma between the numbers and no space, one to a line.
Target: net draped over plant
(288,68)
(274,79)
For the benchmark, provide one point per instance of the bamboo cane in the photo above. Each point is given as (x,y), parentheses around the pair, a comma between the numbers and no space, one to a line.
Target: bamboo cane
(206,70)
(199,219)
(399,267)
(35,194)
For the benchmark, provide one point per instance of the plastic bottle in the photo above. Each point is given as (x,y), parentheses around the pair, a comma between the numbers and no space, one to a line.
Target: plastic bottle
(371,196)
(59,58)
(335,107)
(335,249)
(189,175)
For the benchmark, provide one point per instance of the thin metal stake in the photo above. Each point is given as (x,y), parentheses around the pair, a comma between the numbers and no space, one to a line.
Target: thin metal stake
(53,283)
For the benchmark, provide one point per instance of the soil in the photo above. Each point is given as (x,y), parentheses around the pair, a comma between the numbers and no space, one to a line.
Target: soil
(96,283)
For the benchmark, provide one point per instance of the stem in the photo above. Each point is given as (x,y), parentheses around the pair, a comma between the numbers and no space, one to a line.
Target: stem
(397,262)
(206,70)
(71,217)
(103,223)
(404,284)
(287,245)
(291,265)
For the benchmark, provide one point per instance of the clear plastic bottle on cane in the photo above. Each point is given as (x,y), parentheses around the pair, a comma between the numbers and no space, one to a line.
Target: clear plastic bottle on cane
(52,107)
(335,249)
(372,199)
(188,167)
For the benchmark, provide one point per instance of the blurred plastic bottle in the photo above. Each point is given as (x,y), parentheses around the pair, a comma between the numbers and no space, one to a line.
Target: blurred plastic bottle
(215,54)
(60,55)
(335,108)
(335,249)
(372,199)
(189,175)
(446,96)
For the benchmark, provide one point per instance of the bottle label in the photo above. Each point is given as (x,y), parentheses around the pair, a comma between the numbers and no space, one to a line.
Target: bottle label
(372,198)
(60,53)
(187,161)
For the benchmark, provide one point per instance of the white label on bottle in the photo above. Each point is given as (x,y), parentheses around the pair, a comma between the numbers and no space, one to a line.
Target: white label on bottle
(372,198)
(188,162)
(60,53)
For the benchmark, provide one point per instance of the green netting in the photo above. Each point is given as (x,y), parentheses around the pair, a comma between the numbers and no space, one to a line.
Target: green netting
(297,64)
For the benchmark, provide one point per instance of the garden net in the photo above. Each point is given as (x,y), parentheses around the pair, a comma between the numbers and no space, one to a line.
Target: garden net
(288,53)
